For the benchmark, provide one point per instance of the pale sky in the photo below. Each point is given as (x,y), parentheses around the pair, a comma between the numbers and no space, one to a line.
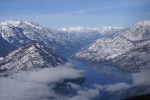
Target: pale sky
(73,13)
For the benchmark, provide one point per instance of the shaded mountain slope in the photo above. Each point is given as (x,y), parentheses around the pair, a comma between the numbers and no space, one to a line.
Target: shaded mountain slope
(30,56)
(5,47)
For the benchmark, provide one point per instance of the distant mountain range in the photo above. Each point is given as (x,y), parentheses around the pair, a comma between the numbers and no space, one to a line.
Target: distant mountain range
(60,40)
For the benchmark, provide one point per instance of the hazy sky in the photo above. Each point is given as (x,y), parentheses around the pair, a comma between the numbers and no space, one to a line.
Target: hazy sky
(69,13)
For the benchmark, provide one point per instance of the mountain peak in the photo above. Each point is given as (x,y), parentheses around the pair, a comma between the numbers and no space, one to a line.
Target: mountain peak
(81,29)
(35,44)
(31,56)
(11,22)
(144,23)
(31,23)
(17,23)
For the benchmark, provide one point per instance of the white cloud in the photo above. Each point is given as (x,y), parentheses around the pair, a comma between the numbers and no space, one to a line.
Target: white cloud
(49,75)
(1,58)
(74,86)
(111,88)
(86,94)
(33,85)
(90,93)
(79,97)
(116,87)
(18,89)
(141,78)
(11,89)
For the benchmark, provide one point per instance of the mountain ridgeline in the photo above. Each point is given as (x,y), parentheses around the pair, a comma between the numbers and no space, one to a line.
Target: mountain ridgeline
(60,40)
(29,57)
(127,48)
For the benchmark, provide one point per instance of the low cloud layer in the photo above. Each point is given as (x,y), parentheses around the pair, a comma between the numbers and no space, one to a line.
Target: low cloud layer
(48,75)
(111,88)
(86,94)
(11,89)
(33,85)
(142,78)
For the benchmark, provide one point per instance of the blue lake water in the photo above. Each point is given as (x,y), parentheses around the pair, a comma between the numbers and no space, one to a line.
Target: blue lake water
(101,74)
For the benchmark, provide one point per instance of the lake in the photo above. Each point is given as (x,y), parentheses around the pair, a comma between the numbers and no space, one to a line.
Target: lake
(101,74)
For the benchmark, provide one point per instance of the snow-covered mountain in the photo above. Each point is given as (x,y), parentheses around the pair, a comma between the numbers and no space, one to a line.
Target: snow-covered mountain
(35,67)
(123,50)
(136,59)
(83,36)
(31,56)
(138,32)
(112,43)
(19,33)
(83,32)
(104,49)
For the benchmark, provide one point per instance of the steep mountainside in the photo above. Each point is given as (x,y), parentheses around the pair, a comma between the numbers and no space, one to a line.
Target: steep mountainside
(19,33)
(5,47)
(30,56)
(134,60)
(105,48)
(139,32)
(128,50)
